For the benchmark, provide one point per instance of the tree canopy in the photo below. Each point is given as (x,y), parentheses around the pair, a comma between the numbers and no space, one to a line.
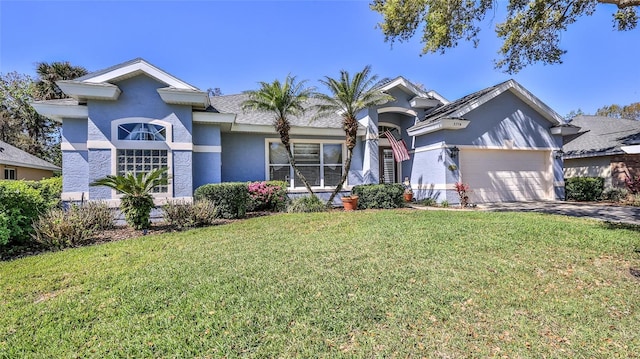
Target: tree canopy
(630,112)
(20,125)
(531,31)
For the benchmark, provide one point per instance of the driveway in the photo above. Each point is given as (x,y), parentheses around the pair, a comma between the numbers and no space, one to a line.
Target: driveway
(600,211)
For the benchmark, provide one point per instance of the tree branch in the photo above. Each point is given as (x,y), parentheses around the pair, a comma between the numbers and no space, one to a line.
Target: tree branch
(621,3)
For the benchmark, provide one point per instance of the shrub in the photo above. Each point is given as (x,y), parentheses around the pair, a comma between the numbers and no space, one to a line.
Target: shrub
(615,194)
(50,189)
(183,214)
(633,185)
(57,228)
(20,205)
(444,203)
(230,198)
(463,190)
(98,214)
(267,196)
(388,195)
(584,188)
(632,200)
(306,204)
(428,202)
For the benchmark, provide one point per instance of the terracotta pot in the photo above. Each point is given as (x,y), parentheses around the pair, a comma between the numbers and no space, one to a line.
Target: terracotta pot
(350,203)
(408,197)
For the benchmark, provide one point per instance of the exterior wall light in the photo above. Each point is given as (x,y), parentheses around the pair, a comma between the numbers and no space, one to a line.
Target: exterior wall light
(453,151)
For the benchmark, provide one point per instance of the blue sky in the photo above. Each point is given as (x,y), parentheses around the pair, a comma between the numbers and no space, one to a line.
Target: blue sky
(234,44)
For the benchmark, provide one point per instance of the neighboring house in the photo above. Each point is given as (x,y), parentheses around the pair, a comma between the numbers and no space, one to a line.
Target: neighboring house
(17,164)
(136,117)
(603,147)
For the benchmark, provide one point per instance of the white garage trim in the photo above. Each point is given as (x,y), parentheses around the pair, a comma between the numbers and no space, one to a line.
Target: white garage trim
(507,175)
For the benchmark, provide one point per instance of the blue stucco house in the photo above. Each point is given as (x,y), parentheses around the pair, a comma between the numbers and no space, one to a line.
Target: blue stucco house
(501,140)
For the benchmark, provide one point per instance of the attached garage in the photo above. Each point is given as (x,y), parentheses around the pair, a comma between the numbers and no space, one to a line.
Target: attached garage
(507,175)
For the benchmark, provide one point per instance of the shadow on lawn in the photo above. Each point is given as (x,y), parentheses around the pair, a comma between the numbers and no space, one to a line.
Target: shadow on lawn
(619,225)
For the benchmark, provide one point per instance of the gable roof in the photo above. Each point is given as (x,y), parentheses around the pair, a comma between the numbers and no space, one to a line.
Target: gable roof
(460,107)
(100,85)
(133,68)
(601,136)
(13,156)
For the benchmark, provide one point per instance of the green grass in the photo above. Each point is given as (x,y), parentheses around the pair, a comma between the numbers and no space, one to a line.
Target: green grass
(397,283)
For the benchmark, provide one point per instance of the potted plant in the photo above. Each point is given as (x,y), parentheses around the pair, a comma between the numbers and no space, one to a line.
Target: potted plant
(408,194)
(350,202)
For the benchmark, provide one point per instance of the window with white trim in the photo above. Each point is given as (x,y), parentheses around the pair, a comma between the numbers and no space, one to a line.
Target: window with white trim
(320,163)
(142,161)
(10,174)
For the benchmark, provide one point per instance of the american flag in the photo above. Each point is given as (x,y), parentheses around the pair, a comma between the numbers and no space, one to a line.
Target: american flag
(399,148)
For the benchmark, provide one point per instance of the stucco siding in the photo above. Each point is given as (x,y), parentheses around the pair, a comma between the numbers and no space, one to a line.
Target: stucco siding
(182,178)
(75,171)
(206,168)
(428,177)
(589,167)
(99,166)
(206,135)
(505,118)
(243,157)
(139,99)
(74,130)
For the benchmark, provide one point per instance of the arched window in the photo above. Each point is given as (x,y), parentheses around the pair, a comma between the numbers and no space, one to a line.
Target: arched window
(141,132)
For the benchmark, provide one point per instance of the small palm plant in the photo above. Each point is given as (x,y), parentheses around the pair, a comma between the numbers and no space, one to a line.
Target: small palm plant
(137,202)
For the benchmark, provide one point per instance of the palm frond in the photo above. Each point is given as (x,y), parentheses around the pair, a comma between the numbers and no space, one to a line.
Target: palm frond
(134,184)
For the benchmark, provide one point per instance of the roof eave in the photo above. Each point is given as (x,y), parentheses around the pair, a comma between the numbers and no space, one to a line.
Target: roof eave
(437,125)
(30,165)
(174,96)
(82,91)
(59,111)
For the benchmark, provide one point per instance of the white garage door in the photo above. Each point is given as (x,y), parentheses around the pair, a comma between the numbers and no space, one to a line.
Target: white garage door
(507,175)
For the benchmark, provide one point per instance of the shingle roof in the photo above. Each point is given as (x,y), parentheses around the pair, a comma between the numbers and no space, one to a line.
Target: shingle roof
(601,136)
(10,155)
(443,111)
(233,104)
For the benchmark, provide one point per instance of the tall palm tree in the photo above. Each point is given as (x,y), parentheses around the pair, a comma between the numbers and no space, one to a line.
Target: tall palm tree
(348,96)
(282,100)
(137,202)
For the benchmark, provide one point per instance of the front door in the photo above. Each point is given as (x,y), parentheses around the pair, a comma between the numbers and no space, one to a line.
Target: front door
(388,166)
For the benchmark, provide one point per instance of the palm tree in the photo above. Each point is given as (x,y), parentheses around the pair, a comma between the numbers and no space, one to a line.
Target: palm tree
(48,74)
(348,97)
(283,100)
(137,202)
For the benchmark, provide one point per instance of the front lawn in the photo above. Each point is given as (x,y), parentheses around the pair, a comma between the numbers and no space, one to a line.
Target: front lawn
(398,283)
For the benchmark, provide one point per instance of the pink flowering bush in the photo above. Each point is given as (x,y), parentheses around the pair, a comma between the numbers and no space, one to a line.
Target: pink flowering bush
(267,196)
(463,192)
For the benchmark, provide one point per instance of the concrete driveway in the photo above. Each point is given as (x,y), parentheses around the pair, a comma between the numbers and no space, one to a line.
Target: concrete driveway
(600,211)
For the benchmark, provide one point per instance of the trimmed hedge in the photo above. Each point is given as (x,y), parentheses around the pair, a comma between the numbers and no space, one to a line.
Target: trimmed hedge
(230,198)
(50,189)
(584,188)
(20,205)
(388,195)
